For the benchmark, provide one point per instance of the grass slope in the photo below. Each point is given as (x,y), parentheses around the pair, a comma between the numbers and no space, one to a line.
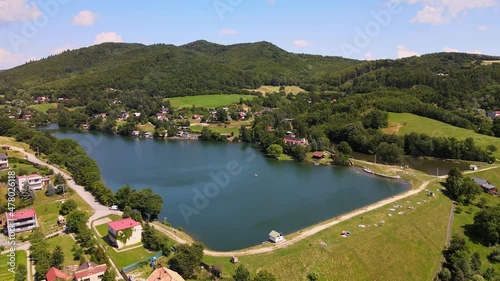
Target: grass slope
(209,101)
(66,243)
(294,90)
(405,247)
(405,123)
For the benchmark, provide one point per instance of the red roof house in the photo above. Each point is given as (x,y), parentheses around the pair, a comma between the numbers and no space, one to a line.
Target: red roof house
(116,230)
(318,155)
(123,224)
(56,274)
(90,271)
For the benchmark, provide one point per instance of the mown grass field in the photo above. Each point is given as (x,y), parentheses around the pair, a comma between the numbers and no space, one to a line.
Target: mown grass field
(43,107)
(466,217)
(208,101)
(294,90)
(405,247)
(217,129)
(66,243)
(405,123)
(5,275)
(490,62)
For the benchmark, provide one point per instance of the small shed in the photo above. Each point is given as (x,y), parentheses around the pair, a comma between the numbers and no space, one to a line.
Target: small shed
(473,167)
(318,155)
(61,220)
(234,259)
(275,237)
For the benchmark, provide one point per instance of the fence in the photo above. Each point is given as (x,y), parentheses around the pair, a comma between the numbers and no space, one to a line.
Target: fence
(141,263)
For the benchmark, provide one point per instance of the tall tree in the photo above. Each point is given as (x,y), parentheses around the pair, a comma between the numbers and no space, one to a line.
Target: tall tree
(57,259)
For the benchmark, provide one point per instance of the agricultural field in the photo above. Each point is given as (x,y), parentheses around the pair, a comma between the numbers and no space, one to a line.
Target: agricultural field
(294,90)
(5,275)
(407,246)
(43,107)
(207,101)
(489,62)
(405,123)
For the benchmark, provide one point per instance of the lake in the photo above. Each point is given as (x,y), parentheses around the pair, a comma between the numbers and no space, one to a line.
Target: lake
(228,195)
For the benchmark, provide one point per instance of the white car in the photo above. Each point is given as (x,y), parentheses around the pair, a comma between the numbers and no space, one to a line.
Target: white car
(114,207)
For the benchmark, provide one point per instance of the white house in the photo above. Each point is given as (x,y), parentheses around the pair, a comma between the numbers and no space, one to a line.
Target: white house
(127,229)
(33,181)
(4,161)
(276,237)
(90,271)
(494,114)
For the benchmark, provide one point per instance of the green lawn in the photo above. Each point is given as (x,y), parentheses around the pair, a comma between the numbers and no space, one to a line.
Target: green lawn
(294,90)
(405,247)
(66,243)
(466,217)
(208,101)
(405,123)
(217,129)
(43,107)
(5,275)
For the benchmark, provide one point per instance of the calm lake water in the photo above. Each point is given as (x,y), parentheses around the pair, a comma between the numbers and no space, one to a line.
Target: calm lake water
(228,195)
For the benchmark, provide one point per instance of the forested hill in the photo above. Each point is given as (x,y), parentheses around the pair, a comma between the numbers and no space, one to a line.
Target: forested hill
(166,70)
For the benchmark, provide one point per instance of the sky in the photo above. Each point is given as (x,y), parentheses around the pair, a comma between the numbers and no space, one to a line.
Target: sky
(364,29)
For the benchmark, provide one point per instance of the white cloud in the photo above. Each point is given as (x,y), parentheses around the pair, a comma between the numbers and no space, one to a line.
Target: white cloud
(228,32)
(107,37)
(15,10)
(63,48)
(369,56)
(404,52)
(477,52)
(482,27)
(9,59)
(451,50)
(444,11)
(302,43)
(84,18)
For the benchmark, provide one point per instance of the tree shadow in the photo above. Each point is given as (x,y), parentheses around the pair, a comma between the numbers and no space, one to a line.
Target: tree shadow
(473,236)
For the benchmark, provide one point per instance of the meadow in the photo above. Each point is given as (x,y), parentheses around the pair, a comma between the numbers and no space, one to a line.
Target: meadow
(43,107)
(5,275)
(207,101)
(405,123)
(294,90)
(405,246)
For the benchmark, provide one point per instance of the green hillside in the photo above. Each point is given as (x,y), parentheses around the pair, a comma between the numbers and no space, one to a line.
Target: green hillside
(405,123)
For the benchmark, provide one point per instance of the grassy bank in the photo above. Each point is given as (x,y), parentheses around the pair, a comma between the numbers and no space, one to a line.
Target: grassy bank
(208,101)
(405,123)
(43,107)
(405,247)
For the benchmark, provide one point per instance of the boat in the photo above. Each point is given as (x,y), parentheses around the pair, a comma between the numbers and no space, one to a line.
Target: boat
(255,174)
(367,170)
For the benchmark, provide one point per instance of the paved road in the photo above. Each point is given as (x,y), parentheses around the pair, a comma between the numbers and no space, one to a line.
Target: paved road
(99,210)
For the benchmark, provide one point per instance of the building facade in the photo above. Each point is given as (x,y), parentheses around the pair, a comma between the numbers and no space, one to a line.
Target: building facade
(20,221)
(124,232)
(34,182)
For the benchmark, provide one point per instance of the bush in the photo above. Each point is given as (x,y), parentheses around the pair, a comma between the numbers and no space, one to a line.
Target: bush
(494,256)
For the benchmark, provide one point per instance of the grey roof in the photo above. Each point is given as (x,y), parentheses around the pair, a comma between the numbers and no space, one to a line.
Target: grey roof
(3,156)
(489,186)
(480,181)
(274,234)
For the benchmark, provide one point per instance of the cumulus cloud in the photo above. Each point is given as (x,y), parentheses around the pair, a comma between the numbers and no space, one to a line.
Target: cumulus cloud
(15,10)
(107,37)
(369,56)
(477,52)
(483,27)
(444,11)
(84,18)
(9,59)
(228,32)
(302,43)
(451,50)
(404,52)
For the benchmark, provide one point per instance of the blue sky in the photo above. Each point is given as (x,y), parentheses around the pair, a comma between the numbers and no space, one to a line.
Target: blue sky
(357,29)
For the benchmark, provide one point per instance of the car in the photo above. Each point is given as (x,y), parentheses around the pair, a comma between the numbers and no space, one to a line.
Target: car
(114,207)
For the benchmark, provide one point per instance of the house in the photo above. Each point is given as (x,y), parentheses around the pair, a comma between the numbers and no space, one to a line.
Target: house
(196,117)
(137,114)
(494,114)
(27,117)
(487,187)
(295,141)
(85,127)
(276,237)
(55,274)
(161,117)
(242,114)
(234,259)
(4,161)
(20,221)
(164,274)
(135,133)
(90,271)
(42,99)
(33,181)
(318,155)
(5,147)
(61,220)
(119,230)
(164,110)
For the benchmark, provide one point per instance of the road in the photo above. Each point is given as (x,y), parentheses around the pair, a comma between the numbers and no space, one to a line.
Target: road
(99,209)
